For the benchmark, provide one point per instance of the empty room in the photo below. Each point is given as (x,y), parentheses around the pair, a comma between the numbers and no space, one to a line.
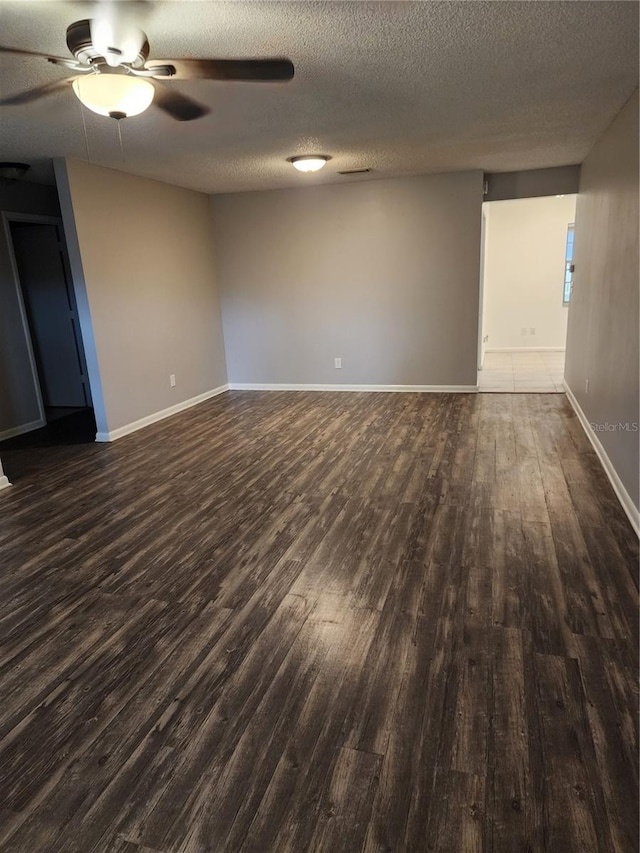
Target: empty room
(319,427)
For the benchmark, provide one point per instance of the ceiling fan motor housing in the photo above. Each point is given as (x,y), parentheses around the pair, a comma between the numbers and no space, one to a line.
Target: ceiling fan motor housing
(109,66)
(81,46)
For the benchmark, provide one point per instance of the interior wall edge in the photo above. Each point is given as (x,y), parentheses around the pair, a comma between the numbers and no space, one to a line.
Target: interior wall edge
(80,290)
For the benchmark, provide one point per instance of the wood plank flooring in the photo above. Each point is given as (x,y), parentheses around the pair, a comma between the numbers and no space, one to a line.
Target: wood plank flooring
(290,622)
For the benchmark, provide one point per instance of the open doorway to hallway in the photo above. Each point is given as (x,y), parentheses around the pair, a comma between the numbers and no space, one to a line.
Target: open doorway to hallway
(526,291)
(47,334)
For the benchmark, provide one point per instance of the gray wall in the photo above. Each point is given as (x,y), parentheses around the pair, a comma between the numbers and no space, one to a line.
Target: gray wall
(563,180)
(602,338)
(384,274)
(143,269)
(18,397)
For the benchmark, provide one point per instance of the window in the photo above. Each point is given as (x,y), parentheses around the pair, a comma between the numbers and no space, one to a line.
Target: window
(568,265)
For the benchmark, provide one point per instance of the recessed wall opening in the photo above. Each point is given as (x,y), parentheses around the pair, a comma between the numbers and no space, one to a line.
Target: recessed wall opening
(526,293)
(46,335)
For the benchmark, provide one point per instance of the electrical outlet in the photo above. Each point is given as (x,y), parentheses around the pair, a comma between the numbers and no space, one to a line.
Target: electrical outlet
(586,386)
(485,339)
(532,331)
(172,380)
(337,363)
(523,332)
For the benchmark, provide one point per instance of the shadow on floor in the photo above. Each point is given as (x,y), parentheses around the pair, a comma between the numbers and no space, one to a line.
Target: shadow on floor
(76,427)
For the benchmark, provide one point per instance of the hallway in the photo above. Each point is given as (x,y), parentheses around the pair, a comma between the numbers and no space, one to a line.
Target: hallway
(522,372)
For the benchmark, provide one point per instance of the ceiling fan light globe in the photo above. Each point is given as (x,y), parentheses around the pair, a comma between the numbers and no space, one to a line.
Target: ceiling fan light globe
(106,94)
(310,163)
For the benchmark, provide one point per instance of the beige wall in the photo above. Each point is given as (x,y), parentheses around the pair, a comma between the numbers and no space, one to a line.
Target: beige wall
(525,244)
(602,341)
(142,253)
(383,274)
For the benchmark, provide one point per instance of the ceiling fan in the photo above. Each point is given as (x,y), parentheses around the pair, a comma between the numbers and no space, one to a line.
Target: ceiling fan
(113,75)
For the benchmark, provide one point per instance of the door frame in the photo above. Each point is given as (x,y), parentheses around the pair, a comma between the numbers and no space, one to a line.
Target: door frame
(37,219)
(9,217)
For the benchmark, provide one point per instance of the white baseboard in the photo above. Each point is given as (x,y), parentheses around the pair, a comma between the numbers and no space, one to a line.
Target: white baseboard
(120,432)
(4,482)
(525,349)
(633,514)
(20,430)
(421,389)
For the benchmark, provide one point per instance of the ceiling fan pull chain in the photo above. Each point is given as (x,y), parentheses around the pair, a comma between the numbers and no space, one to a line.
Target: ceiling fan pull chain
(119,123)
(84,127)
(110,54)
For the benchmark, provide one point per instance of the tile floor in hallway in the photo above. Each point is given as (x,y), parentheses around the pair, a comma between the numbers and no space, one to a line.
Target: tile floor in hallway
(522,372)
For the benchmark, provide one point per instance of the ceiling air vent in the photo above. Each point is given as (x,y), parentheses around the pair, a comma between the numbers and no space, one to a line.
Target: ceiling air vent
(354,172)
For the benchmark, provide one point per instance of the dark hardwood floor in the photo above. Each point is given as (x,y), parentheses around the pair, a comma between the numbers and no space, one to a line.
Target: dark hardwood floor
(291,622)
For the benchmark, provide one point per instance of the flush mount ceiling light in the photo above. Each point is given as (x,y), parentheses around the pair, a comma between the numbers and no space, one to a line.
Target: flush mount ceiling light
(309,162)
(115,95)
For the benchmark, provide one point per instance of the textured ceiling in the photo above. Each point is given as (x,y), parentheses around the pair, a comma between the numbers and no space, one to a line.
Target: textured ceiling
(400,88)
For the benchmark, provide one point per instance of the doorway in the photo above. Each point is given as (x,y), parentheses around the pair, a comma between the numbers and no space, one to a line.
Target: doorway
(52,332)
(525,293)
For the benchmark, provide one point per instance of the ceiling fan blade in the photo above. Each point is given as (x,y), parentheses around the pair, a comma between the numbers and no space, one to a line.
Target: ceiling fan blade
(19,52)
(255,70)
(178,106)
(33,94)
